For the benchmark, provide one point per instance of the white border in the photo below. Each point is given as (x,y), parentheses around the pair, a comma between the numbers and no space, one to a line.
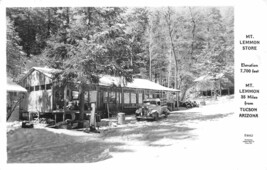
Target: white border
(250,18)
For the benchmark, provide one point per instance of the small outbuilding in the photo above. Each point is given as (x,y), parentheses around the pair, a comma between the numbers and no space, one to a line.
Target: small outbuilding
(221,84)
(15,95)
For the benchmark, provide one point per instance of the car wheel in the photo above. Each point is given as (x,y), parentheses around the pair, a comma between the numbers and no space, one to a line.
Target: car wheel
(165,114)
(156,116)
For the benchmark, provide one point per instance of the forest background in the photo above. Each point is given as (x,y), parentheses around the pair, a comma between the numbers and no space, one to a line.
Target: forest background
(172,46)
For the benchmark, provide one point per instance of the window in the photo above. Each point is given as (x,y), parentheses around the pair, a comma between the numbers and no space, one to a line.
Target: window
(153,102)
(14,94)
(112,97)
(31,89)
(146,96)
(48,86)
(37,88)
(126,98)
(133,98)
(118,97)
(93,96)
(42,87)
(105,96)
(140,98)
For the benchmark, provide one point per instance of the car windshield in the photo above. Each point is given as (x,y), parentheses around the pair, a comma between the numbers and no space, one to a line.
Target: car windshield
(146,102)
(150,102)
(153,102)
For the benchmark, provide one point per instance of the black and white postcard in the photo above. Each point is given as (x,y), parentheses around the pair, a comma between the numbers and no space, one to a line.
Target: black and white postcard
(134,85)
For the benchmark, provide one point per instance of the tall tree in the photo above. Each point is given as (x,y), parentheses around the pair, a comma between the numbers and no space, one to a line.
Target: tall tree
(14,53)
(34,27)
(168,15)
(93,41)
(137,28)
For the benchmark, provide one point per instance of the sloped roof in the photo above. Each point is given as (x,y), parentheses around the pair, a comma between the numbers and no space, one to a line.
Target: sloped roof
(107,80)
(49,72)
(137,83)
(208,77)
(14,87)
(147,84)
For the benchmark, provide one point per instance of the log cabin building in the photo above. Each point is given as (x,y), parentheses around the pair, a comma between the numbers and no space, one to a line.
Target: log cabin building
(46,95)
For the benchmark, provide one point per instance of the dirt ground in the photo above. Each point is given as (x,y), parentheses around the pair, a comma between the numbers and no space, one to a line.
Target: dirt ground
(192,138)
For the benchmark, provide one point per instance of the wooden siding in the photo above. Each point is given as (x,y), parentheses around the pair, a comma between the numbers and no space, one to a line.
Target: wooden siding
(40,101)
(39,98)
(36,78)
(42,97)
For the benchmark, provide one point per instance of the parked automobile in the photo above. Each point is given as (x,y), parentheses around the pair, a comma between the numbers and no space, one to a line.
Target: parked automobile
(185,104)
(188,104)
(152,109)
(195,104)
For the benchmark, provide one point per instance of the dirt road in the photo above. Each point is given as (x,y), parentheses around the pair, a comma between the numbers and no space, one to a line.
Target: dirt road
(199,137)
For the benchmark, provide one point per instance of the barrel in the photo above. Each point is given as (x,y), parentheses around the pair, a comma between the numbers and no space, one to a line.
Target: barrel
(121,118)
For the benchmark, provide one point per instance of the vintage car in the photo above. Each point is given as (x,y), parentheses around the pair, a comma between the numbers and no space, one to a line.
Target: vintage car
(188,104)
(152,109)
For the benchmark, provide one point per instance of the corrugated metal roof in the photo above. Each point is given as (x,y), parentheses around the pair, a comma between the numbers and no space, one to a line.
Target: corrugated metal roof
(137,83)
(107,80)
(147,84)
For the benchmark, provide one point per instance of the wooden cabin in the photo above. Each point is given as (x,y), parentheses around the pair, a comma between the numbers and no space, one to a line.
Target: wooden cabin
(39,84)
(111,94)
(206,85)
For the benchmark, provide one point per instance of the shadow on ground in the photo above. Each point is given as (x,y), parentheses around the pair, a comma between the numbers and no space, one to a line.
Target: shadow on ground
(172,128)
(43,146)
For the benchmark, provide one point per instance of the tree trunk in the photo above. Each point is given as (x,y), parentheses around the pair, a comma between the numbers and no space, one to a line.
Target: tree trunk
(193,37)
(89,13)
(183,94)
(81,102)
(28,48)
(170,69)
(108,103)
(65,102)
(92,117)
(175,77)
(215,91)
(150,56)
(48,23)
(220,83)
(168,21)
(68,16)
